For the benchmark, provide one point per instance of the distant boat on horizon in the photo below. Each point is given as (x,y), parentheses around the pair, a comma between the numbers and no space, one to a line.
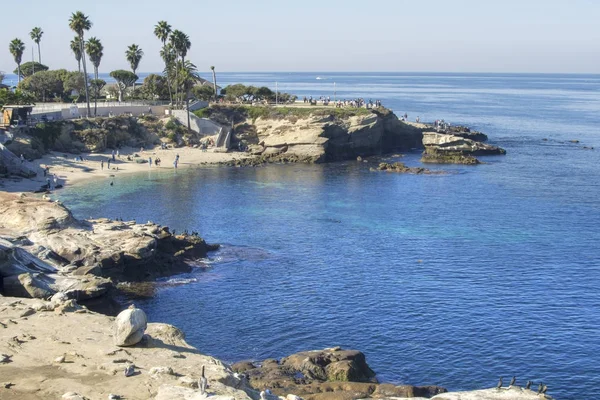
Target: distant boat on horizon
(320,77)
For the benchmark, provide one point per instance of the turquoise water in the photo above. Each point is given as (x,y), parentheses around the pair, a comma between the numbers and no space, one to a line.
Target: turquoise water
(452,280)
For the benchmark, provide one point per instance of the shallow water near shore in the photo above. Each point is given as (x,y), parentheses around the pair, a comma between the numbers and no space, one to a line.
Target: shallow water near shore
(450,279)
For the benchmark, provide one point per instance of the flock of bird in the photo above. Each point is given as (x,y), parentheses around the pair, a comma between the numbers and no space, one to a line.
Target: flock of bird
(541,387)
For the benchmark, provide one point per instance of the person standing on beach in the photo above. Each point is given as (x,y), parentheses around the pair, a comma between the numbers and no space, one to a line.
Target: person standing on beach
(108,162)
(150,162)
(102,164)
(113,155)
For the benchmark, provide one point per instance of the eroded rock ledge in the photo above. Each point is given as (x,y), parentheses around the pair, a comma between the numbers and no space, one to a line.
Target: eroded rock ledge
(44,250)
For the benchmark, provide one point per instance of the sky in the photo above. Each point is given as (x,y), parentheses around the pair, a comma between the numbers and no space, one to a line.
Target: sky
(547,36)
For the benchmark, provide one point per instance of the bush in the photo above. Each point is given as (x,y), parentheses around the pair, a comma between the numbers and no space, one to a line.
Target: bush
(47,133)
(172,124)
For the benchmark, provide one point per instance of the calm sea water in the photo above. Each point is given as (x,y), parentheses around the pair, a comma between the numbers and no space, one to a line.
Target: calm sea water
(452,280)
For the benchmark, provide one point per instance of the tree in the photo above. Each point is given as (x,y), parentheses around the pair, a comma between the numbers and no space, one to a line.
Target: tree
(79,23)
(74,82)
(45,84)
(124,80)
(181,43)
(212,68)
(134,55)
(16,48)
(187,77)
(31,67)
(155,87)
(203,92)
(162,30)
(263,93)
(169,56)
(76,51)
(236,92)
(36,35)
(94,50)
(17,97)
(96,86)
(1,76)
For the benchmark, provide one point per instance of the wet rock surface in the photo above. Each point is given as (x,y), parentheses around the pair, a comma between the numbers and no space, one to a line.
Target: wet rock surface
(332,373)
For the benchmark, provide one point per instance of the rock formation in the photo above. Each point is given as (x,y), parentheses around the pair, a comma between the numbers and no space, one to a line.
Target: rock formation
(448,148)
(44,250)
(130,325)
(10,164)
(317,135)
(403,169)
(326,374)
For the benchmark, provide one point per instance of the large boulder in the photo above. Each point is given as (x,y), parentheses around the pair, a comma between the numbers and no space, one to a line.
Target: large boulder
(13,165)
(453,143)
(130,325)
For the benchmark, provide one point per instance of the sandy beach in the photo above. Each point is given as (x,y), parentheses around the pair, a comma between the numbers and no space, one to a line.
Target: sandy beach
(70,170)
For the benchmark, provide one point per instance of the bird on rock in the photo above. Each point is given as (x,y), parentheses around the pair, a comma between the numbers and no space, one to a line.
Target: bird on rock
(540,388)
(499,384)
(263,395)
(61,359)
(529,383)
(544,389)
(202,382)
(129,369)
(114,397)
(5,358)
(512,381)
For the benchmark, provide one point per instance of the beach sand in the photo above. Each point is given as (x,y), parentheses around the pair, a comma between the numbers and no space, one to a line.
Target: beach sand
(70,172)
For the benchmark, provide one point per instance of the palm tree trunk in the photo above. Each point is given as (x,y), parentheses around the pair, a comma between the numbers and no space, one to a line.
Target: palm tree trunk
(79,65)
(215,83)
(188,112)
(133,90)
(19,73)
(95,72)
(39,53)
(85,77)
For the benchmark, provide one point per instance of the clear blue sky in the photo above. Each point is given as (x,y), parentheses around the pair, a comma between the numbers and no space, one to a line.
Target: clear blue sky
(327,35)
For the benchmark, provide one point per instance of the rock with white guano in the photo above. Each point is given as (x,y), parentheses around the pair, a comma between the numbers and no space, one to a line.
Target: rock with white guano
(130,325)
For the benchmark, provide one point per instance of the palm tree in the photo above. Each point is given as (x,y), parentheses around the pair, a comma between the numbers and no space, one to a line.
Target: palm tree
(181,43)
(36,35)
(134,55)
(94,50)
(169,56)
(212,68)
(76,51)
(79,23)
(187,78)
(16,48)
(162,30)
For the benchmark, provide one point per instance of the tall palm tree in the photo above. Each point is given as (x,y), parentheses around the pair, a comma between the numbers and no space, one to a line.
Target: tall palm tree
(187,78)
(134,55)
(94,50)
(36,35)
(16,48)
(181,42)
(79,23)
(76,51)
(169,56)
(162,30)
(212,68)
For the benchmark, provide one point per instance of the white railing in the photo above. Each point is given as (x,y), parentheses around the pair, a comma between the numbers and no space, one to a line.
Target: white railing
(46,107)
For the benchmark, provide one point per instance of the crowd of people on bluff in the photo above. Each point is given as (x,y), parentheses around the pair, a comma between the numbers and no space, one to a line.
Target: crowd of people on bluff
(354,103)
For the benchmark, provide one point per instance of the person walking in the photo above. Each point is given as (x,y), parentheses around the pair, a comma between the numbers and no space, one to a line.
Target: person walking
(150,161)
(102,164)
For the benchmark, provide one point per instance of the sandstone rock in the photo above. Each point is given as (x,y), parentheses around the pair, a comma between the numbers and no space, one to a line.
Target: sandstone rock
(168,392)
(27,285)
(157,371)
(11,164)
(403,169)
(515,393)
(452,143)
(130,325)
(242,366)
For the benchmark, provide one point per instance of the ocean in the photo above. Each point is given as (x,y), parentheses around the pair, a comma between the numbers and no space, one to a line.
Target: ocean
(455,280)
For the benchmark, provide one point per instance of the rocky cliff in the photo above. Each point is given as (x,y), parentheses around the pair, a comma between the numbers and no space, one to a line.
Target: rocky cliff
(316,134)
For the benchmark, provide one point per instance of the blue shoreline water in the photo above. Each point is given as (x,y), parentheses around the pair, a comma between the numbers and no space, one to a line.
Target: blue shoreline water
(451,280)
